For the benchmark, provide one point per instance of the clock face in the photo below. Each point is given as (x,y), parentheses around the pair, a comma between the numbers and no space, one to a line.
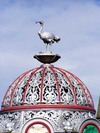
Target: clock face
(90,129)
(38,128)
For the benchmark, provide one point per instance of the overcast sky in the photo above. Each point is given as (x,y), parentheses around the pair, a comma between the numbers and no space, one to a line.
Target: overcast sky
(77,22)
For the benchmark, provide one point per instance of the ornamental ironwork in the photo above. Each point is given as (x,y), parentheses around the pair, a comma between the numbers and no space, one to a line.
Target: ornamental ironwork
(47,84)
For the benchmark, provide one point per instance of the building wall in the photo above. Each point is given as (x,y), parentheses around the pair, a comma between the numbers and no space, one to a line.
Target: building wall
(54,120)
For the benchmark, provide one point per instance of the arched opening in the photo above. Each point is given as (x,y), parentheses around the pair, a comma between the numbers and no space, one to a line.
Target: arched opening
(38,128)
(90,128)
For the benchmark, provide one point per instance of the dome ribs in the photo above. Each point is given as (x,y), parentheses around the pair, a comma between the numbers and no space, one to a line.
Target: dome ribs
(47,85)
(15,81)
(27,84)
(13,89)
(56,83)
(64,73)
(10,91)
(84,88)
(13,92)
(82,84)
(41,87)
(50,90)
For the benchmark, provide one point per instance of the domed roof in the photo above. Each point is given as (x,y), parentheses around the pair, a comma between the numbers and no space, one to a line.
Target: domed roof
(47,85)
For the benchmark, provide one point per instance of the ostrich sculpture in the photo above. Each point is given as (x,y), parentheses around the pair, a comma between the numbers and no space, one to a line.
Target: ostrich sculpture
(47,37)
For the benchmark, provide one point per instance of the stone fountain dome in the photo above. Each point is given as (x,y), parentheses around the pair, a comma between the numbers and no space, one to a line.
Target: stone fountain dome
(48,99)
(47,85)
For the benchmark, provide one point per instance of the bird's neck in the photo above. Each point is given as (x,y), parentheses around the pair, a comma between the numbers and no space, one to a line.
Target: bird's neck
(41,28)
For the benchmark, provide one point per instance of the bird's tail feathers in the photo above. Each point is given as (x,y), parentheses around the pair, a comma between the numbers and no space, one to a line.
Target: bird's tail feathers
(57,38)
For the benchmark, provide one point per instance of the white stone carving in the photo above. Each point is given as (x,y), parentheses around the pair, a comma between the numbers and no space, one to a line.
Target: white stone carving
(47,85)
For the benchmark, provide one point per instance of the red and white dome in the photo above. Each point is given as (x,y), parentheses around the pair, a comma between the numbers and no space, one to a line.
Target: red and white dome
(47,87)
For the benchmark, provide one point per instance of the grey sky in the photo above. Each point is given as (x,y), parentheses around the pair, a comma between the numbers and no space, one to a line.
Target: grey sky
(77,22)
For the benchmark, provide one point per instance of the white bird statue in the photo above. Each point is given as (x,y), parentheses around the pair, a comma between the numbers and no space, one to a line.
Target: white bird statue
(47,37)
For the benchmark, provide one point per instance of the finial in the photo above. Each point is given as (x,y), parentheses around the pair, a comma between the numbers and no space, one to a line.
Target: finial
(47,37)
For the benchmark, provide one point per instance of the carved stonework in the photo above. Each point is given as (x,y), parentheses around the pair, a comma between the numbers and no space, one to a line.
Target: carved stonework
(10,121)
(47,84)
(61,120)
(47,99)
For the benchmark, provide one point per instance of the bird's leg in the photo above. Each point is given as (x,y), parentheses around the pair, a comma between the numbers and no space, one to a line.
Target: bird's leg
(46,47)
(50,47)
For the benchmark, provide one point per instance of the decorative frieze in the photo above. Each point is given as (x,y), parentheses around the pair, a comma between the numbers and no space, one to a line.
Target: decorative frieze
(61,120)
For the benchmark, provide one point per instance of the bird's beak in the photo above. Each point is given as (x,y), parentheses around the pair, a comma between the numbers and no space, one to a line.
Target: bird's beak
(41,22)
(37,22)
